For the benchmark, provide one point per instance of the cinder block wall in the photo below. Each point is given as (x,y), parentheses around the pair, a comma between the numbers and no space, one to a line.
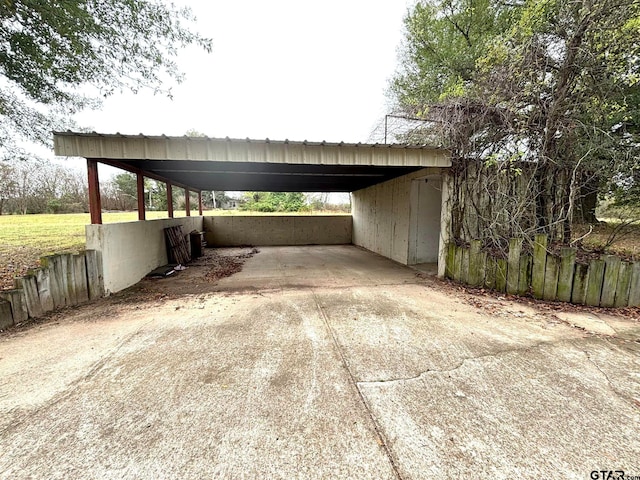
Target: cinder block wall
(382,215)
(130,250)
(278,230)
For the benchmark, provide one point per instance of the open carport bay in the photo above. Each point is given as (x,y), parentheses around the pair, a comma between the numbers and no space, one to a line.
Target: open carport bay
(316,362)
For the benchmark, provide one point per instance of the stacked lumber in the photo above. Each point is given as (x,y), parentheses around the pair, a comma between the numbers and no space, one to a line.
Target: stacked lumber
(177,245)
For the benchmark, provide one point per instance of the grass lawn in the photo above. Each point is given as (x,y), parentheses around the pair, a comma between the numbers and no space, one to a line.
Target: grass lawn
(26,238)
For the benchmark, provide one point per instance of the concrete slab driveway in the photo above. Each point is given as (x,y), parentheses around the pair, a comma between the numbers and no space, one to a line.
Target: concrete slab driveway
(318,362)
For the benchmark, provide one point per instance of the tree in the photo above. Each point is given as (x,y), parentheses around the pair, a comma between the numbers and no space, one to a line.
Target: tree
(7,184)
(49,51)
(557,87)
(274,201)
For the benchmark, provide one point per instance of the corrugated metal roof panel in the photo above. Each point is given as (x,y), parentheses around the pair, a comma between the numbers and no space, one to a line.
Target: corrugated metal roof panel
(145,147)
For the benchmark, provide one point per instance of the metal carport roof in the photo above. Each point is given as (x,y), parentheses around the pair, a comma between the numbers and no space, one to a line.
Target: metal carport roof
(203,163)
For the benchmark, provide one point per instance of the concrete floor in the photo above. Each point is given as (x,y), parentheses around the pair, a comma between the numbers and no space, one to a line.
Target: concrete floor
(319,362)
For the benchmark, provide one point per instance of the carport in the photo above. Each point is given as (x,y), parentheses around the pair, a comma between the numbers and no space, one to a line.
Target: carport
(398,193)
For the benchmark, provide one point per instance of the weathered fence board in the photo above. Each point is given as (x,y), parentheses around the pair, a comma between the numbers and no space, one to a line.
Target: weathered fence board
(624,285)
(610,281)
(475,257)
(501,274)
(451,257)
(565,273)
(539,265)
(524,277)
(579,289)
(595,277)
(464,272)
(44,289)
(513,265)
(18,304)
(6,318)
(70,279)
(607,282)
(550,288)
(457,264)
(634,291)
(94,282)
(80,274)
(490,273)
(49,263)
(62,280)
(30,287)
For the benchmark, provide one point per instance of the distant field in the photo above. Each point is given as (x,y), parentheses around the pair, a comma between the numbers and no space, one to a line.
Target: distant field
(26,238)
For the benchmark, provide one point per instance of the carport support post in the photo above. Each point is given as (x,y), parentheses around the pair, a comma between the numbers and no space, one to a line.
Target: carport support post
(187,202)
(95,206)
(200,203)
(170,200)
(141,212)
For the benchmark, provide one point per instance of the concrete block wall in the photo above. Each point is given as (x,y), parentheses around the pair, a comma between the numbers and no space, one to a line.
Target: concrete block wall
(130,250)
(382,216)
(278,230)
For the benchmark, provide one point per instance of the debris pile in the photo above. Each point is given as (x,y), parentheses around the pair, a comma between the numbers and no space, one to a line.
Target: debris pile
(226,265)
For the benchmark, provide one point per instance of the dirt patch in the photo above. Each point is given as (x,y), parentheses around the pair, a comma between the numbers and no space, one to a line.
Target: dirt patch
(225,265)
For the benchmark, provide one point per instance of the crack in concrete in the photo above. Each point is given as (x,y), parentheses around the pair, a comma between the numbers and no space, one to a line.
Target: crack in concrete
(382,441)
(458,365)
(625,398)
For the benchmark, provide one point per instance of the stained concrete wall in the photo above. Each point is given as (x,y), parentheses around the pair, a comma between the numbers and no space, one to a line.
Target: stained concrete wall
(130,250)
(278,230)
(382,215)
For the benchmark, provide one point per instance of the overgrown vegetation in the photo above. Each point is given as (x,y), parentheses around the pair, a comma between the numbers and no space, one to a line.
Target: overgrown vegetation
(549,87)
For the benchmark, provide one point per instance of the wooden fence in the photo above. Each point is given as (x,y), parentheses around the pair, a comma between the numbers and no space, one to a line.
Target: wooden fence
(605,282)
(62,280)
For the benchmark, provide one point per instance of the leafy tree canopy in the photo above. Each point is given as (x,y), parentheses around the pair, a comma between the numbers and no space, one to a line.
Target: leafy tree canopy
(551,81)
(50,50)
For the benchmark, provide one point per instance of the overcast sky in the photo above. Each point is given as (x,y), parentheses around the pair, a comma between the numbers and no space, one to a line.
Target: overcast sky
(279,69)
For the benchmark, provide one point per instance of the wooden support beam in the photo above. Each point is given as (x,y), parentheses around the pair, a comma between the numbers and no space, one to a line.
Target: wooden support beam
(170,200)
(187,201)
(200,203)
(95,206)
(141,210)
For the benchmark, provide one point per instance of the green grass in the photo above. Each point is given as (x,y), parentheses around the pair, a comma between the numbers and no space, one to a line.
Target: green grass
(65,232)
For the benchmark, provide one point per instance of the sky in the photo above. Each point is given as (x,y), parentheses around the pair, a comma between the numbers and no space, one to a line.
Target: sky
(279,69)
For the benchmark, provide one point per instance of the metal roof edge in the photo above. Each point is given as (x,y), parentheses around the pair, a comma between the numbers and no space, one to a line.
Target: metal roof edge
(266,141)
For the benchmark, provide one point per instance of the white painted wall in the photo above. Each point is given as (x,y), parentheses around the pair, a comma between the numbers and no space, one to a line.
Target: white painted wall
(130,250)
(278,230)
(382,216)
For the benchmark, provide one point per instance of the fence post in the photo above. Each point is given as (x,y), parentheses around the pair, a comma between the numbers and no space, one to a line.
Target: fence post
(539,265)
